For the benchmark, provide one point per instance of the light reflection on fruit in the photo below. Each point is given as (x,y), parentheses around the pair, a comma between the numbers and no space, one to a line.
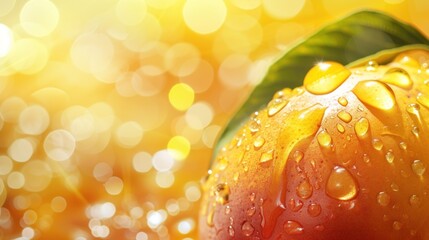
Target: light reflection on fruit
(109,110)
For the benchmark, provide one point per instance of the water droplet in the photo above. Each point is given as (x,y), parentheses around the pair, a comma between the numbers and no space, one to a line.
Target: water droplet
(210,216)
(293,228)
(344,116)
(390,156)
(398,77)
(415,201)
(418,167)
(259,142)
(377,144)
(383,199)
(252,197)
(231,231)
(227,210)
(235,177)
(222,193)
(423,100)
(416,131)
(324,139)
(222,163)
(295,205)
(371,66)
(375,94)
(343,101)
(394,187)
(298,156)
(397,225)
(340,128)
(407,61)
(247,229)
(366,159)
(413,108)
(304,190)
(267,156)
(341,185)
(325,77)
(403,145)
(251,211)
(362,127)
(275,106)
(319,228)
(314,209)
(254,125)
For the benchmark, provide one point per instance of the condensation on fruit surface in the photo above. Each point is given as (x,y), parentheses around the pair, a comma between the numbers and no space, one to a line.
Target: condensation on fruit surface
(351,123)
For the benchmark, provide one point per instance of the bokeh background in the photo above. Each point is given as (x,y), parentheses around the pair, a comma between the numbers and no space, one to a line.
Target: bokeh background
(109,109)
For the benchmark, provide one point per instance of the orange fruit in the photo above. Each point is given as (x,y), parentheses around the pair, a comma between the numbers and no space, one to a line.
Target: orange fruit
(342,157)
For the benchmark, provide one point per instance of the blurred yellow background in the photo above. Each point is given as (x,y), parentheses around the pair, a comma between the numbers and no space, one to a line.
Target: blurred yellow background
(109,109)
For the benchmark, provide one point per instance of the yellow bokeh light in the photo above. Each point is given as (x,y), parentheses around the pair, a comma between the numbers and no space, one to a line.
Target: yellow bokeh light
(204,70)
(6,6)
(28,56)
(129,134)
(34,120)
(38,175)
(204,17)
(92,52)
(234,71)
(283,9)
(39,17)
(179,147)
(246,4)
(6,39)
(181,96)
(182,59)
(131,12)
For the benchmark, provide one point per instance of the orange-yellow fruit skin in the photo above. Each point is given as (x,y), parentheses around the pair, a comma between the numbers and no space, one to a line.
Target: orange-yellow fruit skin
(273,188)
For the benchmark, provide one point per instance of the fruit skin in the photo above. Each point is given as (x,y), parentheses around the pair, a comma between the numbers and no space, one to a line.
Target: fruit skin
(386,165)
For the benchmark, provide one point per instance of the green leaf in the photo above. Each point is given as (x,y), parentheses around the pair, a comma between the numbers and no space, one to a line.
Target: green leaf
(347,40)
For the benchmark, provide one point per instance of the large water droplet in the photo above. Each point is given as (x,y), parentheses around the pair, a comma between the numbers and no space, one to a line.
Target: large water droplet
(247,229)
(343,101)
(418,167)
(210,216)
(413,109)
(383,199)
(251,211)
(362,127)
(304,190)
(377,144)
(325,77)
(341,185)
(231,231)
(324,139)
(222,193)
(275,106)
(293,228)
(415,201)
(397,225)
(390,156)
(298,156)
(295,205)
(407,60)
(314,209)
(398,77)
(375,94)
(254,125)
(340,128)
(423,99)
(344,116)
(259,142)
(267,156)
(371,66)
(227,210)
